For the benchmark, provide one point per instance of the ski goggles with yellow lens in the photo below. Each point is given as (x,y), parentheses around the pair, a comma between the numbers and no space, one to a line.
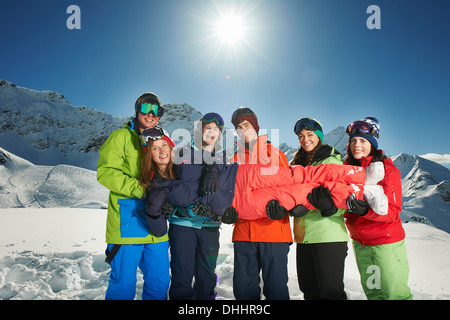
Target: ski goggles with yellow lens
(157,111)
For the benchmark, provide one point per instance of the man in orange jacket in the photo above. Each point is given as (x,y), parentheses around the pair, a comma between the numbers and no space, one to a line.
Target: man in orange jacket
(263,244)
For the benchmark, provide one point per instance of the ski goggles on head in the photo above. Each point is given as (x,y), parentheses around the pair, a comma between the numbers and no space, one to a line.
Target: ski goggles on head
(362,128)
(242,112)
(146,108)
(308,124)
(213,117)
(152,134)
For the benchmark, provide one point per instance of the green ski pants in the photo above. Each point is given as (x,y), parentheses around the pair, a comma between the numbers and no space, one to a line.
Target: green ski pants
(384,270)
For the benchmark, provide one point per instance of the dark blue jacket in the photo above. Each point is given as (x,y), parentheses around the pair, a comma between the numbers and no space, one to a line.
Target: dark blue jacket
(185,191)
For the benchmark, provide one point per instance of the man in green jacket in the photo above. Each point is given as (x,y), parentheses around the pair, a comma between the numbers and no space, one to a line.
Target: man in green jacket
(130,244)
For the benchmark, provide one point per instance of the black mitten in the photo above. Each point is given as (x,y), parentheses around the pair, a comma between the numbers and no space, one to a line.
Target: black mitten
(202,210)
(274,211)
(230,216)
(298,211)
(210,179)
(320,197)
(167,209)
(354,205)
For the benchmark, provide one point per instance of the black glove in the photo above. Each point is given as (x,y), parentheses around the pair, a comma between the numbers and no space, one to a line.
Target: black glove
(155,198)
(167,208)
(182,212)
(298,211)
(202,210)
(275,211)
(210,179)
(230,216)
(320,197)
(354,205)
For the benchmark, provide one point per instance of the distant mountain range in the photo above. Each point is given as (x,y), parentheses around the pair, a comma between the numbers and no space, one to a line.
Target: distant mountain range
(49,149)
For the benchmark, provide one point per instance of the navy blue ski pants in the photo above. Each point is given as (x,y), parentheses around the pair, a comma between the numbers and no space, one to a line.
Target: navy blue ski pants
(193,254)
(253,258)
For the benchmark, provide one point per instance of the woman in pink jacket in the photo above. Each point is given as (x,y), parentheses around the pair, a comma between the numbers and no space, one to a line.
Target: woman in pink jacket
(375,225)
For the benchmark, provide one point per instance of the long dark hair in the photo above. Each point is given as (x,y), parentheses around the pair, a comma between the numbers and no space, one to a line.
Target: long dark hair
(305,158)
(377,155)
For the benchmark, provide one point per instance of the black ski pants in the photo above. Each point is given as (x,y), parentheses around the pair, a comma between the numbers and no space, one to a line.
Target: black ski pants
(320,270)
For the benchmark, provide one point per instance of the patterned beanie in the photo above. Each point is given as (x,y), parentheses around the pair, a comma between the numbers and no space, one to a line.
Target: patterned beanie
(373,138)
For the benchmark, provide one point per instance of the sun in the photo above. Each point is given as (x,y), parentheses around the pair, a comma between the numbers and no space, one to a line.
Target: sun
(230,28)
(230,36)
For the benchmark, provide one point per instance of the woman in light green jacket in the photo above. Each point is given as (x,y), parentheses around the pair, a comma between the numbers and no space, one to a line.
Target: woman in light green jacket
(320,234)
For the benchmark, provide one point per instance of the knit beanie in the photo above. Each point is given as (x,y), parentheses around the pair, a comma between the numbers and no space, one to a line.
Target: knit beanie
(373,138)
(309,124)
(242,114)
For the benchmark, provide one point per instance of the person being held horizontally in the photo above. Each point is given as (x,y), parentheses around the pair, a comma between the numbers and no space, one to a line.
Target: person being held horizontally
(375,225)
(129,245)
(320,234)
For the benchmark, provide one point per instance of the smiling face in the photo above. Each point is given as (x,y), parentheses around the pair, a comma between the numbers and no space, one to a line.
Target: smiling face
(246,131)
(360,147)
(147,120)
(210,133)
(308,140)
(160,152)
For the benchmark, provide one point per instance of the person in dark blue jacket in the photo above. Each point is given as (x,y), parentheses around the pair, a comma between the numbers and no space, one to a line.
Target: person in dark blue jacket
(194,240)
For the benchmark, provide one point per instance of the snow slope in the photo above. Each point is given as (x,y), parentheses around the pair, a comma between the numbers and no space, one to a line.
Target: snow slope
(23,184)
(58,253)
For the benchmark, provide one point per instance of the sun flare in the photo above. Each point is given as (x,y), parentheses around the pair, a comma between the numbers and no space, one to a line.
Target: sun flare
(228,35)
(230,29)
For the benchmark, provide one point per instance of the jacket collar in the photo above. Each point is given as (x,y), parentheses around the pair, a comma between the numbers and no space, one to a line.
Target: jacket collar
(218,147)
(259,141)
(365,161)
(133,125)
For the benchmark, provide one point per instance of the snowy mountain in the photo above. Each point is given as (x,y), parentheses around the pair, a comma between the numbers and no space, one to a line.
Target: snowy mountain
(45,128)
(426,190)
(62,142)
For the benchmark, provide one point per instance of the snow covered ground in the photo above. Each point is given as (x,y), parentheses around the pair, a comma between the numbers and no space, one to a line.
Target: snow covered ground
(58,253)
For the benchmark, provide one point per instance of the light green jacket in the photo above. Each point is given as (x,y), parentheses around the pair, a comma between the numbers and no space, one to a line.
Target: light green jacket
(118,170)
(313,228)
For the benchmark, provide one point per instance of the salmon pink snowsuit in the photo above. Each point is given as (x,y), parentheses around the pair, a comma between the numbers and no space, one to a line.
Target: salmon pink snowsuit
(256,185)
(248,187)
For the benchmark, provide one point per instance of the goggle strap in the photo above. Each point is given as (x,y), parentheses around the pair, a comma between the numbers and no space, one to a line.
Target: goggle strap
(155,134)
(308,124)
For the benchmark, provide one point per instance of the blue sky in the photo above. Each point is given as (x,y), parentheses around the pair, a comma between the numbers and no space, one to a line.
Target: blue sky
(300,58)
